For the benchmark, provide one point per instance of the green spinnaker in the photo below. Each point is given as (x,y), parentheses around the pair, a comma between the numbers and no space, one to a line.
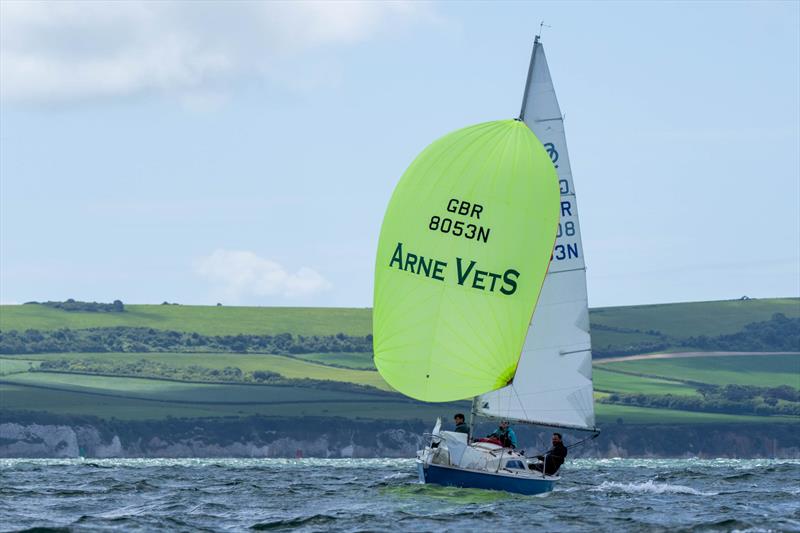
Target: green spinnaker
(463,252)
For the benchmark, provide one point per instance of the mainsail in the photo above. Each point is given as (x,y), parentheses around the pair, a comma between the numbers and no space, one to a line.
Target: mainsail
(553,382)
(463,252)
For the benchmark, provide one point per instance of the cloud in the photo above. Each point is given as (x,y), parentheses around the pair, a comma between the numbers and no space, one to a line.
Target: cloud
(67,51)
(240,275)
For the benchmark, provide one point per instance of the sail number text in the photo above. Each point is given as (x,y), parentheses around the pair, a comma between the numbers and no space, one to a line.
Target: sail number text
(566,246)
(459,228)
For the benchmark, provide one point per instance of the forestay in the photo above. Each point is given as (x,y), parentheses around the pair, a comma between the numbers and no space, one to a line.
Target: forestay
(553,382)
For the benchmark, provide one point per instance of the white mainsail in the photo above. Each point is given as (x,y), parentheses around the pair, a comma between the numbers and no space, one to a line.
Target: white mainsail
(553,382)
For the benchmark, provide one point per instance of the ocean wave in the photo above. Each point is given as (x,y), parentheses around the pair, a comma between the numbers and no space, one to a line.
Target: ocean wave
(739,476)
(399,475)
(649,487)
(301,521)
(44,529)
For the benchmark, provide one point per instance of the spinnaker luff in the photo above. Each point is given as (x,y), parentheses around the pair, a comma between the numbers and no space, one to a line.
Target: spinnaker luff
(464,248)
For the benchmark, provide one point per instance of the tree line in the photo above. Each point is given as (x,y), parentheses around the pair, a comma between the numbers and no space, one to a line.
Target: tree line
(727,399)
(779,333)
(128,339)
(87,307)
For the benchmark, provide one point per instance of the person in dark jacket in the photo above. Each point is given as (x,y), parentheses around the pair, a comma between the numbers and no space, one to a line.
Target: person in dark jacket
(553,458)
(461,427)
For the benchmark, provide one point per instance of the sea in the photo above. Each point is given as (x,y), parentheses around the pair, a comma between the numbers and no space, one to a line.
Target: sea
(385,495)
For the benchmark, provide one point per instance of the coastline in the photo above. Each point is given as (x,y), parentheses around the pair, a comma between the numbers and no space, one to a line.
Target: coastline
(23,436)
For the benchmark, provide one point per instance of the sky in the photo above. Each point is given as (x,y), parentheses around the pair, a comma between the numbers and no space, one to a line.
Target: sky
(244,153)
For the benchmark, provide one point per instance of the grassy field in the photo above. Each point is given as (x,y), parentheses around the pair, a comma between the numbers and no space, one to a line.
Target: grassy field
(361,361)
(206,320)
(614,382)
(144,399)
(288,367)
(74,402)
(675,320)
(693,319)
(14,366)
(609,414)
(136,398)
(760,370)
(601,339)
(173,391)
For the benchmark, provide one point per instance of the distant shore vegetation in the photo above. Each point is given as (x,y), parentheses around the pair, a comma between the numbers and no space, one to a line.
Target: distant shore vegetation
(127,339)
(779,333)
(145,368)
(86,307)
(728,399)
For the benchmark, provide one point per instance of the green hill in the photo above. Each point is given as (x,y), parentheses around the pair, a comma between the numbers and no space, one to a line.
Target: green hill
(202,319)
(691,319)
(675,320)
(756,370)
(174,374)
(615,330)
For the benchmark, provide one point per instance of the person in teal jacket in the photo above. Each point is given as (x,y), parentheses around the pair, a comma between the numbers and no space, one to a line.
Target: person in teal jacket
(505,435)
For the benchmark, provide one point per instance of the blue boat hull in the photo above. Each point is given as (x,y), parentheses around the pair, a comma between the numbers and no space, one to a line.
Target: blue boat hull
(456,477)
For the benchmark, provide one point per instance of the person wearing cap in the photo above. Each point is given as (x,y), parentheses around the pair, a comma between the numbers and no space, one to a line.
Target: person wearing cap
(506,435)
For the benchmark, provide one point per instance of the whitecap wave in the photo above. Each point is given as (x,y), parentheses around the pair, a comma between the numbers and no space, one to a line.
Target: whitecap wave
(398,475)
(649,487)
(567,489)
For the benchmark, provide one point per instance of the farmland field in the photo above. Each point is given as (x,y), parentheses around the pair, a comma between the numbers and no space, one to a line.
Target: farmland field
(206,320)
(609,414)
(681,320)
(602,338)
(677,320)
(13,366)
(760,370)
(174,391)
(142,397)
(136,398)
(361,361)
(289,367)
(614,382)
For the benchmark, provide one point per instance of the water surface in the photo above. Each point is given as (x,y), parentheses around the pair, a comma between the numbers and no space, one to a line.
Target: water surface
(382,494)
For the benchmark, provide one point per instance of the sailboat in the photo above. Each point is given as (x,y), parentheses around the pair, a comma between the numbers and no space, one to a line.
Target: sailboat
(480,289)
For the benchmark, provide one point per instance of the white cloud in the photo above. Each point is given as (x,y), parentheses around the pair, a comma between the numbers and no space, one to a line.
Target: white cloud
(65,51)
(240,275)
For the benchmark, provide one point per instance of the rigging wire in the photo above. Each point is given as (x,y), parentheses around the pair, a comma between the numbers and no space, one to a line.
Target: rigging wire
(591,437)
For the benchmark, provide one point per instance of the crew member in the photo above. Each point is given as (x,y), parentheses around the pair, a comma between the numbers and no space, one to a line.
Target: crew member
(461,427)
(504,434)
(553,458)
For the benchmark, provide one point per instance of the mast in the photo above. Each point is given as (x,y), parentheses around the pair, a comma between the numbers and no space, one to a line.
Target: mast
(473,412)
(529,79)
(536,43)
